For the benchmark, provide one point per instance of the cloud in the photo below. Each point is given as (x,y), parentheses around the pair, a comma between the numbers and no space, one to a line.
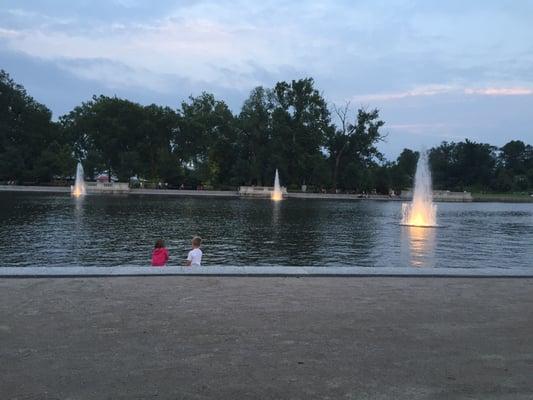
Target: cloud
(8,33)
(422,63)
(427,90)
(440,130)
(374,52)
(187,44)
(434,90)
(500,91)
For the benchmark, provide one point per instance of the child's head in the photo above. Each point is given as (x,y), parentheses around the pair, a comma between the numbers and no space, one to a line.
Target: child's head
(159,244)
(196,241)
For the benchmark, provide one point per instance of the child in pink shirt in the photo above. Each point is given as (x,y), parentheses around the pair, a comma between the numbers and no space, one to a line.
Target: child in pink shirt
(160,254)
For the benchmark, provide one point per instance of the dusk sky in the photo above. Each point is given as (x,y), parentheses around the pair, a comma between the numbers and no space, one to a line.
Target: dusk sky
(445,70)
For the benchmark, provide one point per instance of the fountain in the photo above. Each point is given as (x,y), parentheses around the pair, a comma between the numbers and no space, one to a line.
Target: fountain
(277,194)
(79,185)
(421,211)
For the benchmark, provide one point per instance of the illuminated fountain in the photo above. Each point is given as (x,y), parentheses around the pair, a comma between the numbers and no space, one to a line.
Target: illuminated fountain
(277,194)
(79,185)
(421,211)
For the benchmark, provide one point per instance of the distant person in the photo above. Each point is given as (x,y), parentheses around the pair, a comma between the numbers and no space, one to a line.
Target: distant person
(160,254)
(194,258)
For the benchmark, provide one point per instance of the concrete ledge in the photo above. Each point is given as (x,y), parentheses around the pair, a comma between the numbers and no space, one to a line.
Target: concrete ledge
(235,194)
(38,189)
(92,191)
(265,271)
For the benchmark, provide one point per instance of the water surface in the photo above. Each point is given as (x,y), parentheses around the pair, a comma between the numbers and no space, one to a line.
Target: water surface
(56,229)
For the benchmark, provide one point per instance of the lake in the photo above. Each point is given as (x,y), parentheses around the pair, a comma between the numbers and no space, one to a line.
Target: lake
(56,229)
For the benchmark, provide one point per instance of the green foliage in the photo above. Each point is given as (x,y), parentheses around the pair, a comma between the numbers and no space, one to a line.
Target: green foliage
(352,147)
(288,127)
(123,138)
(255,145)
(300,121)
(206,139)
(32,147)
(402,172)
(463,166)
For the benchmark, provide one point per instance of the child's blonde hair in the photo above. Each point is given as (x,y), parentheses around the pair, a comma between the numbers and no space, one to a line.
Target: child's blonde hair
(196,241)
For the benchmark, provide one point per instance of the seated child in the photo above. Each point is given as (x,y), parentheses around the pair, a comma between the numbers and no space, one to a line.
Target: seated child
(195,255)
(160,254)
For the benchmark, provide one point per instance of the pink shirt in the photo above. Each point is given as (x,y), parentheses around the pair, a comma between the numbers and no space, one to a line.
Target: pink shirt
(159,257)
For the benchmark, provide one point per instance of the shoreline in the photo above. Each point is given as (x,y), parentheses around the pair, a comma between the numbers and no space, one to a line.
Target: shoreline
(476,198)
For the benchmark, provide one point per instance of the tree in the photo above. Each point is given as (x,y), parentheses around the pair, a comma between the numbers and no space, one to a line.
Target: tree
(106,131)
(402,172)
(338,140)
(516,159)
(156,150)
(300,121)
(32,147)
(123,138)
(463,166)
(206,139)
(255,164)
(354,144)
(513,156)
(287,127)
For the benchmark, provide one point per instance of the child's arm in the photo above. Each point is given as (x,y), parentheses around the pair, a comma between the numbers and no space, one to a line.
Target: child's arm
(188,262)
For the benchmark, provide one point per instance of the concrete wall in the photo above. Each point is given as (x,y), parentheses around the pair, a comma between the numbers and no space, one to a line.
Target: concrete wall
(42,189)
(112,187)
(92,190)
(259,191)
(442,195)
(339,196)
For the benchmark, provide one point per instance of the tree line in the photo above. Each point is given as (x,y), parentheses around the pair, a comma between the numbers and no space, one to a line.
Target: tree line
(289,127)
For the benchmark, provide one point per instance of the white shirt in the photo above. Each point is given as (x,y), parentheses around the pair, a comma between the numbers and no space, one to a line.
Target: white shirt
(195,257)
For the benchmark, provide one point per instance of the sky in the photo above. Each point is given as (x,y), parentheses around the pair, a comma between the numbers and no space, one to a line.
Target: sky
(436,70)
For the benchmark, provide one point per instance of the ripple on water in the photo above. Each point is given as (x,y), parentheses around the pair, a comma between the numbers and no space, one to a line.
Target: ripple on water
(44,229)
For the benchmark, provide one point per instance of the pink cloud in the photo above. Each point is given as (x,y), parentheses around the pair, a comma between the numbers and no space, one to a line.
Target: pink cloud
(429,90)
(502,91)
(434,90)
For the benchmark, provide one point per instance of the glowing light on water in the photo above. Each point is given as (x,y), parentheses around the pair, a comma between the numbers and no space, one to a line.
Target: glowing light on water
(276,195)
(418,246)
(79,184)
(421,211)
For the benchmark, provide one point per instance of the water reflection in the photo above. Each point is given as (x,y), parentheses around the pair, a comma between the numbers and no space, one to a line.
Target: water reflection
(78,206)
(418,246)
(276,205)
(113,230)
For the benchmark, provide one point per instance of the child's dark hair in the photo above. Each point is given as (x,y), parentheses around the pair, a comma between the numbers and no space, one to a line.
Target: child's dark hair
(159,244)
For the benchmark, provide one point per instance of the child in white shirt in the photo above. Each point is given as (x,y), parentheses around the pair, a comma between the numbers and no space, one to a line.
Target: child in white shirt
(195,255)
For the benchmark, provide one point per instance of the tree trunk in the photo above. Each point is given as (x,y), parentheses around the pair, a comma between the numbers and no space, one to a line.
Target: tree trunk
(336,171)
(337,164)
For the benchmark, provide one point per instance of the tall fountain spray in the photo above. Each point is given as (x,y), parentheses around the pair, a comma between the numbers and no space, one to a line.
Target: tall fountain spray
(79,185)
(276,194)
(421,211)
